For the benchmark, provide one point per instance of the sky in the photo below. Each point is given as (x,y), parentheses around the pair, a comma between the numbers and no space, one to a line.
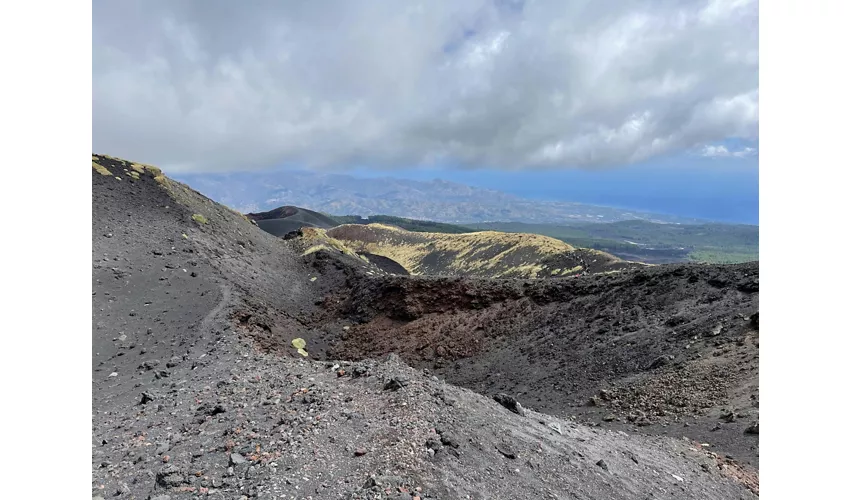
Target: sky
(554,94)
(681,185)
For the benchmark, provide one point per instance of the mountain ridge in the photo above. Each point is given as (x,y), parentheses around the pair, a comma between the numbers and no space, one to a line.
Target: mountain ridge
(198,388)
(485,253)
(437,200)
(631,240)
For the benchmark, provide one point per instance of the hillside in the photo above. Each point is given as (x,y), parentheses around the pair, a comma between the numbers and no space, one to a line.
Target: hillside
(632,240)
(436,200)
(485,254)
(286,219)
(415,225)
(651,242)
(664,349)
(230,363)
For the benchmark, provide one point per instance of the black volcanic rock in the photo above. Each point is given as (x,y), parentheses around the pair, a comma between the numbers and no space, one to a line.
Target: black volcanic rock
(296,422)
(510,403)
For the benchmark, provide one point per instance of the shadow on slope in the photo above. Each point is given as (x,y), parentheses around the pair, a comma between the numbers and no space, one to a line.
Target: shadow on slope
(187,294)
(669,349)
(483,254)
(286,219)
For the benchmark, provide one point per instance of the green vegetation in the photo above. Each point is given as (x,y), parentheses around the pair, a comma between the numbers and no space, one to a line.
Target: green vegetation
(635,240)
(722,257)
(325,242)
(649,241)
(300,344)
(417,226)
(479,253)
(155,171)
(133,171)
(100,169)
(200,219)
(315,248)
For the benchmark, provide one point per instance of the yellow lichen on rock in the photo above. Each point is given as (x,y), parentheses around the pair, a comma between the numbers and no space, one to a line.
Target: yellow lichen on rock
(100,169)
(484,252)
(324,242)
(314,248)
(572,270)
(300,344)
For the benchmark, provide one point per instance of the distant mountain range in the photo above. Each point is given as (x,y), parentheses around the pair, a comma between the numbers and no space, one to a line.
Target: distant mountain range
(435,200)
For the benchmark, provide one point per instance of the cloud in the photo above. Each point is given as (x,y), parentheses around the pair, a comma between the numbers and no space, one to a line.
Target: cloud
(721,151)
(220,85)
